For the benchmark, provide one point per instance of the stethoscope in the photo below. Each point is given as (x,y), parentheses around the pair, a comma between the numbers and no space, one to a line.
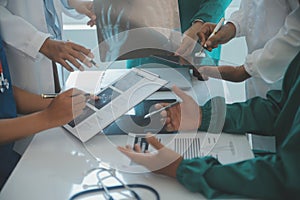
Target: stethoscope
(4,84)
(109,197)
(108,190)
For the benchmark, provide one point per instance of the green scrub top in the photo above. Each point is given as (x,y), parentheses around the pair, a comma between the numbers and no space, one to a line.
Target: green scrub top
(189,11)
(273,176)
(206,10)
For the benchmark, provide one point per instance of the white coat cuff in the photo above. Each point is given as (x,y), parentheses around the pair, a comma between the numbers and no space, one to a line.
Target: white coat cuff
(238,30)
(35,43)
(250,67)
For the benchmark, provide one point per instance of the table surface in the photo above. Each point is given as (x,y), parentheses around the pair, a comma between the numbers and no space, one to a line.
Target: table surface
(55,163)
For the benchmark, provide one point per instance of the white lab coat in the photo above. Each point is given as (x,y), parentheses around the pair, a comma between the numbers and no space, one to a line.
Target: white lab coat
(272,31)
(23,28)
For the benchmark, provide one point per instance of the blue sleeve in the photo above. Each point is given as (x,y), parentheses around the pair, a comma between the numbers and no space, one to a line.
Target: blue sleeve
(66,4)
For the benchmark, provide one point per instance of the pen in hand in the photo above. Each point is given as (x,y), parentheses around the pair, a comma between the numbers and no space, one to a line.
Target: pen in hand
(51,96)
(216,29)
(161,109)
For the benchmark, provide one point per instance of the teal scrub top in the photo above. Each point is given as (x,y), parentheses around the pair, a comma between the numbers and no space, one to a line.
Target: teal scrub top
(273,176)
(189,11)
(8,157)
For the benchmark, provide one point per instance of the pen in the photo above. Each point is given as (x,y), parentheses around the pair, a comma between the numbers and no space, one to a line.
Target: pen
(216,29)
(161,109)
(51,96)
(92,61)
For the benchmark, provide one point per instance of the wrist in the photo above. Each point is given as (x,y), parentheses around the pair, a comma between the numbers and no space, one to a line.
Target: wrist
(47,120)
(172,171)
(45,46)
(196,26)
(231,29)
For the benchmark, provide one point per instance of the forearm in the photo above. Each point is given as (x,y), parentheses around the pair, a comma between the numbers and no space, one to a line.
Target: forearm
(256,115)
(28,103)
(16,128)
(257,178)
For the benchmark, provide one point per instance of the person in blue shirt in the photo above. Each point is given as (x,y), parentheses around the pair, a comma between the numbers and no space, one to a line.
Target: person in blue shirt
(41,114)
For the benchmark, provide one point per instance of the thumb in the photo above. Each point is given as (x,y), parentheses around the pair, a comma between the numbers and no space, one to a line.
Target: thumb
(90,14)
(153,141)
(180,93)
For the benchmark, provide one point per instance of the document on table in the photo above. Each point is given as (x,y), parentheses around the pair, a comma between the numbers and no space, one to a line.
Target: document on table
(114,100)
(227,148)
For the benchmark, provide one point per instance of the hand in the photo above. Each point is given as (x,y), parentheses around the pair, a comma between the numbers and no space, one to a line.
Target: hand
(225,34)
(165,161)
(228,73)
(65,107)
(114,36)
(60,51)
(185,116)
(189,40)
(84,7)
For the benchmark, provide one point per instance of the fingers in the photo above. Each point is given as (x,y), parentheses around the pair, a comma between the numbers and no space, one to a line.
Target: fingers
(186,47)
(78,52)
(65,65)
(180,93)
(152,140)
(88,11)
(213,42)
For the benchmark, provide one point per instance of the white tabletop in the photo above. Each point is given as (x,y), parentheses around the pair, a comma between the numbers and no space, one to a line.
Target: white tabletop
(55,163)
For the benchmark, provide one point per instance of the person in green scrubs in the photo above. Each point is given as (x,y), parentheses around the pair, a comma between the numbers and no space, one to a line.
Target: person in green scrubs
(271,176)
(193,14)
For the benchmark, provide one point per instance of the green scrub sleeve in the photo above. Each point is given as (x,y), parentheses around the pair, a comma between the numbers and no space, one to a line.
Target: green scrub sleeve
(256,115)
(260,177)
(211,10)
(268,177)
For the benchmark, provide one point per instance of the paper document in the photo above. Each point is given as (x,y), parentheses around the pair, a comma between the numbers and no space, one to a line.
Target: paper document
(227,148)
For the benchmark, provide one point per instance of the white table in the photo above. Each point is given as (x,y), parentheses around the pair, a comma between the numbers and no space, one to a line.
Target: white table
(55,163)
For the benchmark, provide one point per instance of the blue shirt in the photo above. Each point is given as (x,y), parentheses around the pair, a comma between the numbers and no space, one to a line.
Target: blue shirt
(8,157)
(53,24)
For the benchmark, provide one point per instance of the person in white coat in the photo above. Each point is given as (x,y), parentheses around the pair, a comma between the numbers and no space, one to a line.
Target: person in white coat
(32,49)
(272,32)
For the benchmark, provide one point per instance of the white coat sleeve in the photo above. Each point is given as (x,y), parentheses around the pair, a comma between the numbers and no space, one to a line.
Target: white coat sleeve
(238,19)
(62,6)
(271,61)
(20,34)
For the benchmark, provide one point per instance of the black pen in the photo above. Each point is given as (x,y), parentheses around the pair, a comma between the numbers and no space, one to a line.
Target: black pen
(53,95)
